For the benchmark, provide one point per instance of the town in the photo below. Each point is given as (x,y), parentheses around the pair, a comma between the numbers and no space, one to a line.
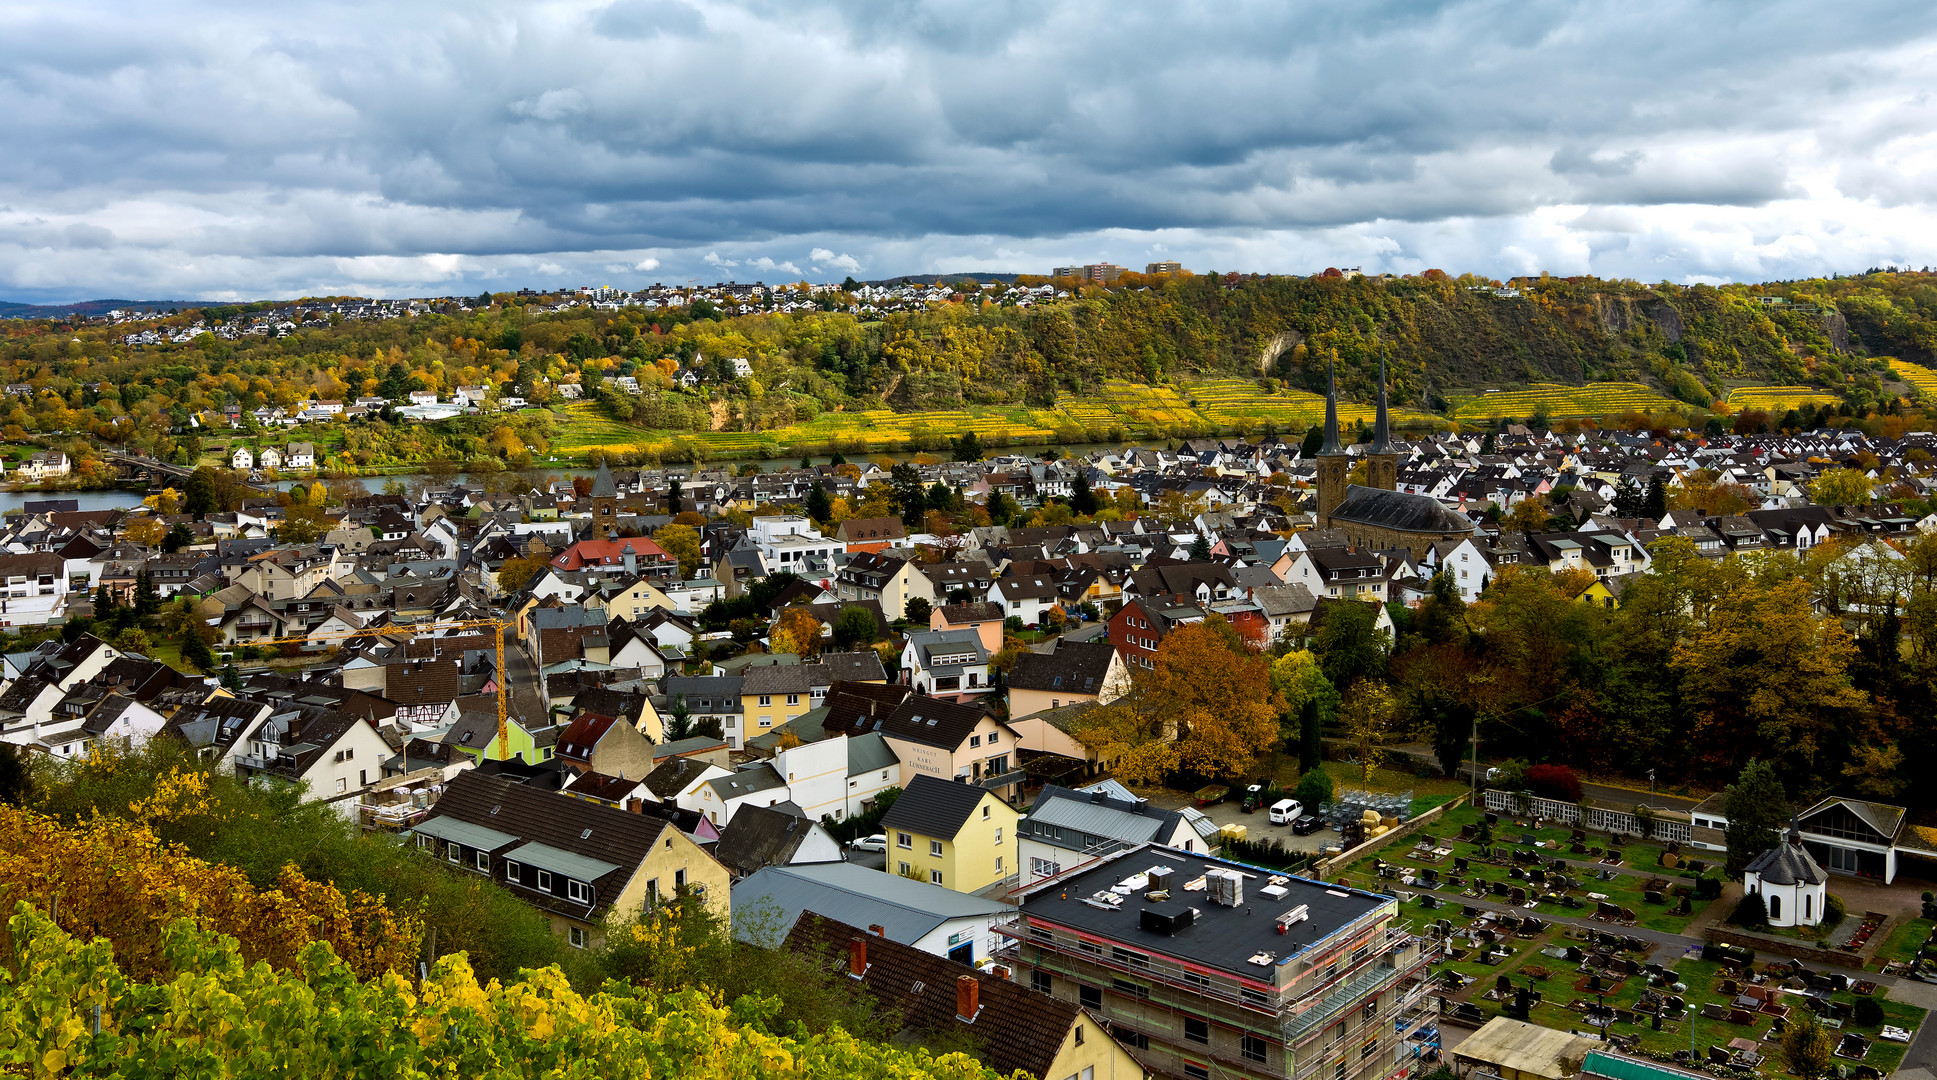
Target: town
(1253,757)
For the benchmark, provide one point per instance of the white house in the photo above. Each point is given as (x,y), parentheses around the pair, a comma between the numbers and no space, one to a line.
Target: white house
(946,662)
(1793,887)
(271,458)
(242,459)
(423,397)
(45,464)
(300,455)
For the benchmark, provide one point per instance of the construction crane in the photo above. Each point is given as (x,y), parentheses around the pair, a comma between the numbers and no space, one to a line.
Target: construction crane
(498,628)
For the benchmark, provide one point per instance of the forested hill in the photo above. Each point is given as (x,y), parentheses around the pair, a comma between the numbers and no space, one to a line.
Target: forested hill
(822,365)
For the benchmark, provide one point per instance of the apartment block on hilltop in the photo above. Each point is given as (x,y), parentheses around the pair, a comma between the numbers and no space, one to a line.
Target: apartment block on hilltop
(1205,967)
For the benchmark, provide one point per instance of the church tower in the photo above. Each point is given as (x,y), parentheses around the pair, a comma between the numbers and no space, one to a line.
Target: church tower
(604,498)
(1382,462)
(1333,464)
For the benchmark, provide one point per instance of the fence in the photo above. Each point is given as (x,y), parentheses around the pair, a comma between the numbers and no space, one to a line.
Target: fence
(1324,867)
(1670,825)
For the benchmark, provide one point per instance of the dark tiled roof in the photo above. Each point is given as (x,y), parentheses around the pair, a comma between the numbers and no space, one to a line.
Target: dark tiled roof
(931,721)
(674,775)
(1786,864)
(958,614)
(578,741)
(1398,510)
(931,806)
(1017,1027)
(760,836)
(1075,667)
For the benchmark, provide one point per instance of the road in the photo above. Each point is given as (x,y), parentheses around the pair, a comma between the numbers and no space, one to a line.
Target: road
(526,702)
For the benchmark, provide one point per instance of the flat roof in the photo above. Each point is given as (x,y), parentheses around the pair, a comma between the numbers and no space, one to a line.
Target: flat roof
(1223,938)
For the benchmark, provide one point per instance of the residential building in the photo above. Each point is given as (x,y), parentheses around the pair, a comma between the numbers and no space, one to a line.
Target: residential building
(1014,1029)
(763,836)
(870,534)
(953,834)
(1067,827)
(605,745)
(928,917)
(946,663)
(982,617)
(1206,967)
(888,580)
(1073,672)
(576,861)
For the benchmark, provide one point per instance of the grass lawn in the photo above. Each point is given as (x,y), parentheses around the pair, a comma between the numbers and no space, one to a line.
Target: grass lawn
(1563,985)
(1623,890)
(170,653)
(1903,942)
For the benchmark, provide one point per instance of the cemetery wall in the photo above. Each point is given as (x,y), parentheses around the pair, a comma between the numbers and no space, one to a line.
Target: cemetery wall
(1323,868)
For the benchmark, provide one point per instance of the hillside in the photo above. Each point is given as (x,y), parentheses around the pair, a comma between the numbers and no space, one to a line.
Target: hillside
(1155,358)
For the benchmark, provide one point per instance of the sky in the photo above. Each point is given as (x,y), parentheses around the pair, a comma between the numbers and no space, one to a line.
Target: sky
(258,151)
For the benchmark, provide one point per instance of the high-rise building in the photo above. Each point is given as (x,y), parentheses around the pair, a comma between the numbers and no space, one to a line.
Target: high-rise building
(1103,272)
(1206,967)
(1163,268)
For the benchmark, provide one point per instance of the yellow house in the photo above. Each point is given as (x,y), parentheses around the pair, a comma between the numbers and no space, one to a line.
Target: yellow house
(1600,595)
(950,833)
(772,695)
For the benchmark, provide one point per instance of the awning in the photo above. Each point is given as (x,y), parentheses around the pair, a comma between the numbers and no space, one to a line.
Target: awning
(546,857)
(463,832)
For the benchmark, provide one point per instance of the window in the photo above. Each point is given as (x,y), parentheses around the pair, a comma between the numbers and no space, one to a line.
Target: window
(994,737)
(1090,997)
(342,785)
(998,864)
(1370,1047)
(903,840)
(985,811)
(544,881)
(1094,948)
(1196,1072)
(998,834)
(1040,982)
(935,848)
(575,936)
(903,869)
(935,877)
(579,892)
(975,740)
(1044,868)
(765,700)
(793,699)
(1257,998)
(1129,989)
(454,853)
(423,842)
(1371,1010)
(514,870)
(1197,1031)
(1252,1048)
(652,891)
(1129,958)
(679,879)
(1338,1069)
(483,863)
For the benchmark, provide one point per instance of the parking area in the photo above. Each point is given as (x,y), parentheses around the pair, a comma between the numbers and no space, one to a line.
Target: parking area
(1257,824)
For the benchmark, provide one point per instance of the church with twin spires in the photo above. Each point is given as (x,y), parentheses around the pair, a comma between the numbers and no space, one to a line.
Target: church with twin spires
(1376,515)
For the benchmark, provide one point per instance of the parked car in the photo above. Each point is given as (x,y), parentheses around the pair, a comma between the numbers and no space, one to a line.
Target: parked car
(877,842)
(1286,811)
(1307,825)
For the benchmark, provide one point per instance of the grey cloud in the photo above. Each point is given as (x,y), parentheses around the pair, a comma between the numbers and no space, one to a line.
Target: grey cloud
(635,19)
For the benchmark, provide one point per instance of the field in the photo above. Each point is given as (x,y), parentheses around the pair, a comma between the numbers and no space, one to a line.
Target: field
(1598,399)
(1916,375)
(1777,399)
(1238,402)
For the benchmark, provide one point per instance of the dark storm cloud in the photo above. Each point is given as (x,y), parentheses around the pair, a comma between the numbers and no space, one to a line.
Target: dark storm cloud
(290,148)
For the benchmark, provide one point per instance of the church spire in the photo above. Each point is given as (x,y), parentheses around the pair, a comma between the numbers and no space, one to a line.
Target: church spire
(1381,430)
(1331,410)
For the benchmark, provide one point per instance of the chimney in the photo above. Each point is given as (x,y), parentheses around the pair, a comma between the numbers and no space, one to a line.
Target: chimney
(968,997)
(877,930)
(857,958)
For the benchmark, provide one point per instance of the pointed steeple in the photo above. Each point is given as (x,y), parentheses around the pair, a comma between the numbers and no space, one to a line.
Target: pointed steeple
(603,486)
(1381,430)
(1331,446)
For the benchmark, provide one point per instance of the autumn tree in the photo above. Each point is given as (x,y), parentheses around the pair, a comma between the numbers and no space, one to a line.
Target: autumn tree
(1840,487)
(795,632)
(1757,808)
(146,530)
(1807,1046)
(516,572)
(1309,700)
(682,543)
(1365,716)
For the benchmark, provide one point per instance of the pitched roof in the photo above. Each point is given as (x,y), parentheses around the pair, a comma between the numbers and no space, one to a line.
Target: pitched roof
(903,907)
(1786,864)
(961,614)
(674,775)
(579,739)
(1017,1027)
(931,806)
(1398,510)
(930,721)
(1075,667)
(760,836)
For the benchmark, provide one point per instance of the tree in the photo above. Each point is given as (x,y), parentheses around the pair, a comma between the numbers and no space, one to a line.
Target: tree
(682,543)
(195,651)
(199,492)
(166,501)
(1200,549)
(819,507)
(1314,442)
(1365,717)
(1840,487)
(1756,807)
(16,780)
(179,536)
(676,497)
(516,572)
(1216,696)
(855,625)
(795,632)
(147,531)
(1314,789)
(1807,1046)
(1528,515)
(304,523)
(909,496)
(1308,697)
(1656,504)
(679,720)
(1083,500)
(1350,646)
(1554,782)
(966,447)
(1630,501)
(916,611)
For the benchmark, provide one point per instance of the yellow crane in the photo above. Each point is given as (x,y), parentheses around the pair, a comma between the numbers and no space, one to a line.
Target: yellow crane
(498,628)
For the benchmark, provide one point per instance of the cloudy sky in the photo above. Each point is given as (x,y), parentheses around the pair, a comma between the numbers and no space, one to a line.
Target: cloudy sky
(273,150)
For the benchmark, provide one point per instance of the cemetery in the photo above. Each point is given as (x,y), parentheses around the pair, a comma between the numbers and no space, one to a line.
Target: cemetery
(1714,1008)
(1541,868)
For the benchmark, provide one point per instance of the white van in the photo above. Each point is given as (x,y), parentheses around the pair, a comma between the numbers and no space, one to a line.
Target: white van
(1286,811)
